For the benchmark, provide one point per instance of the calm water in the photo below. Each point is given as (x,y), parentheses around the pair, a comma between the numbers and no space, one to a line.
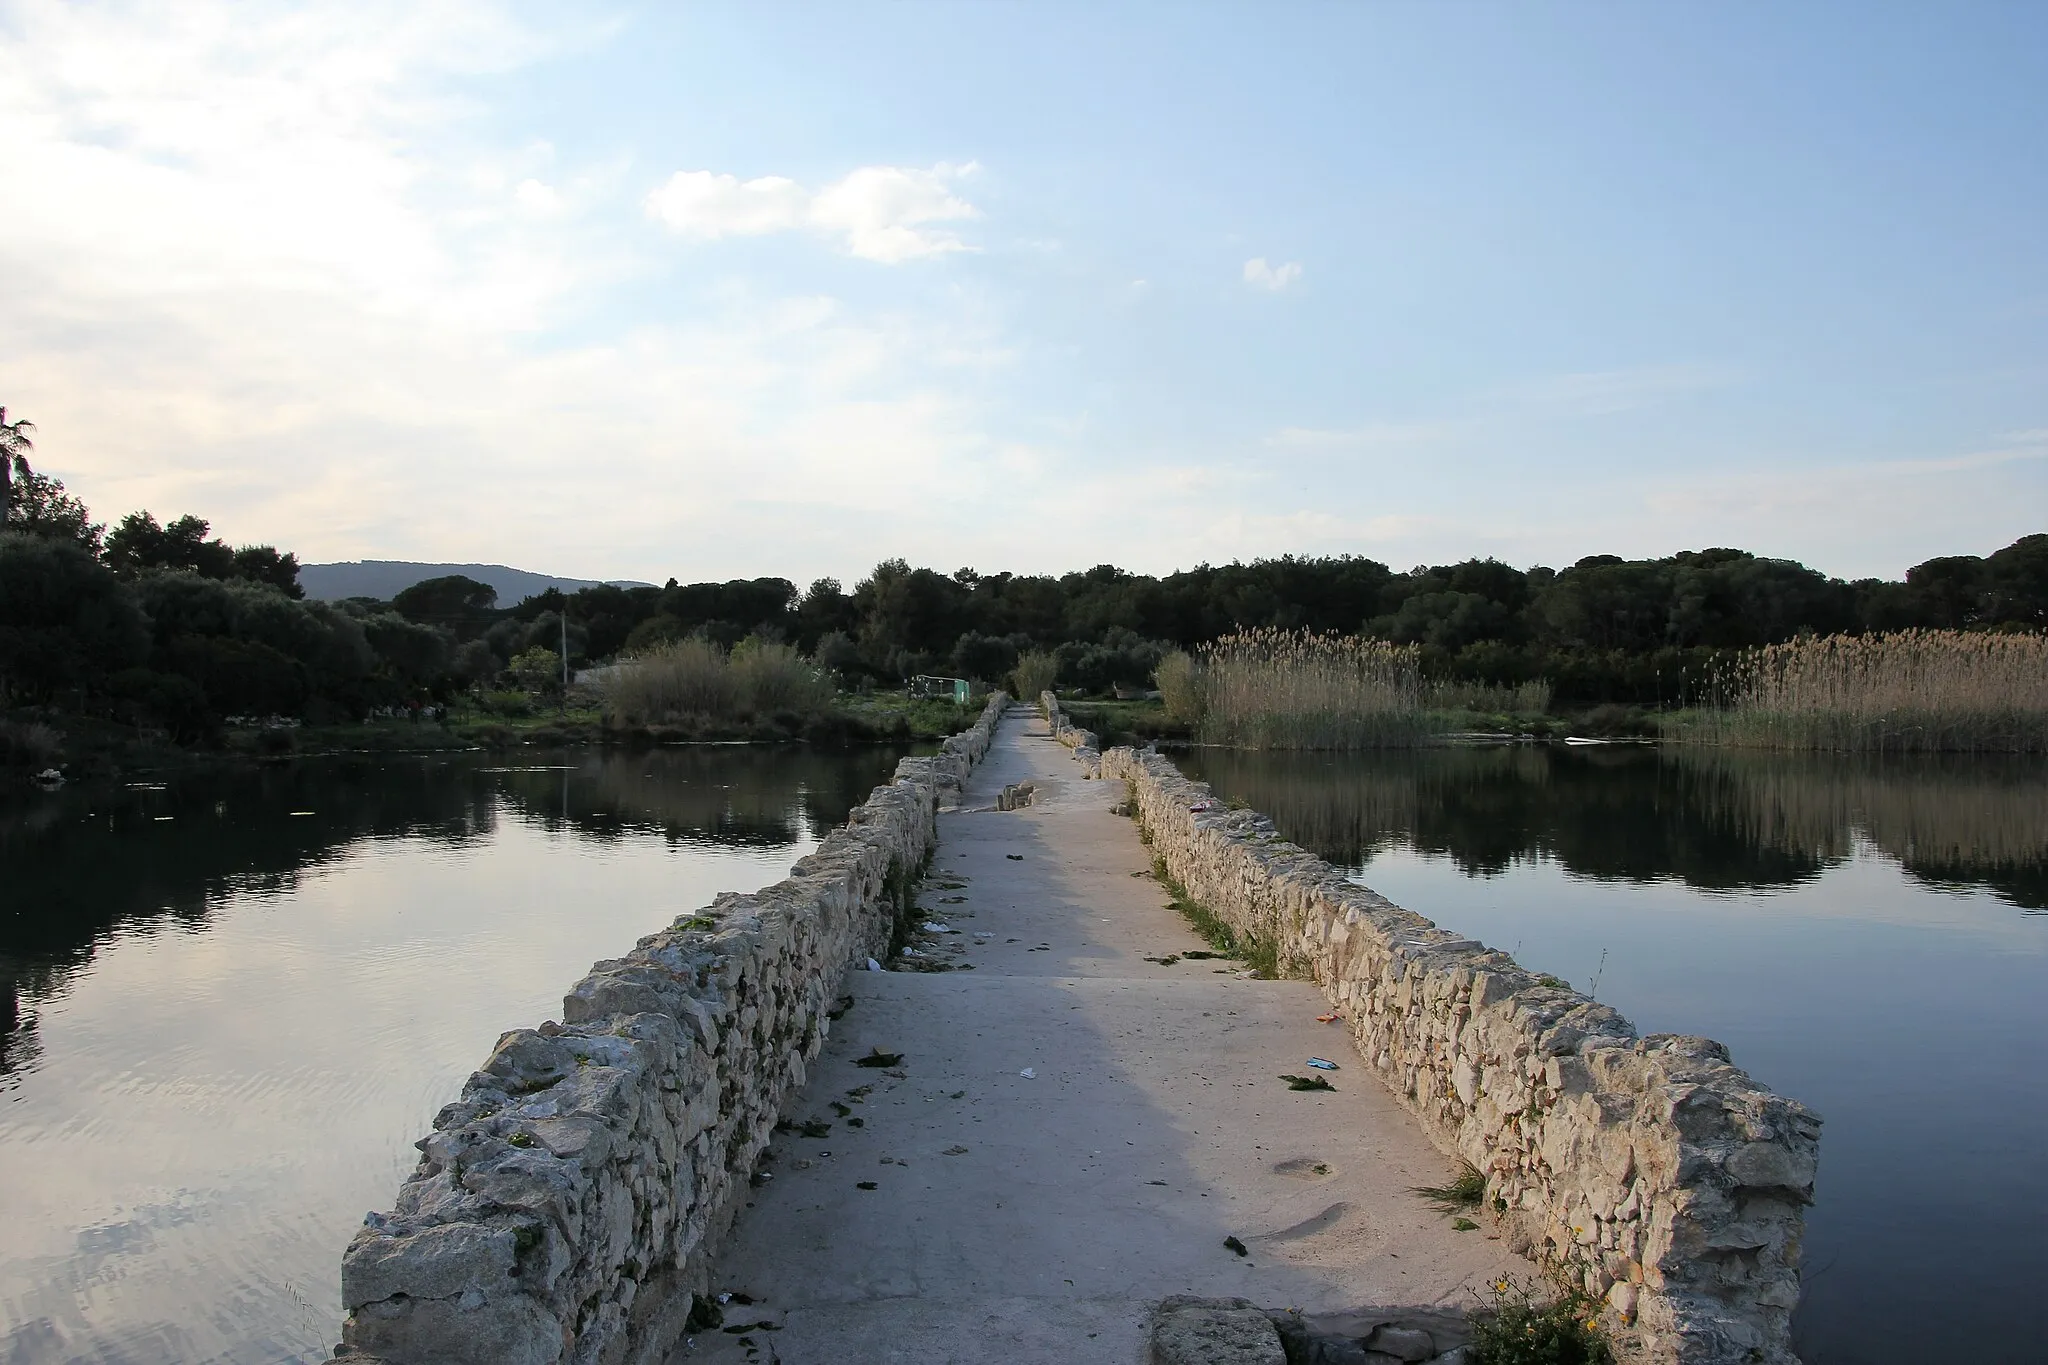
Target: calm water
(230,1003)
(1871,938)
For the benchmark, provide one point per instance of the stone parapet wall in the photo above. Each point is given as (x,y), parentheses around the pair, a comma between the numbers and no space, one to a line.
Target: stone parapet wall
(1086,745)
(1651,1172)
(566,1206)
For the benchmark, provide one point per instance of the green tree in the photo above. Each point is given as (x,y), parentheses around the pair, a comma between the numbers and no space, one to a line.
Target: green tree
(538,670)
(266,564)
(14,448)
(40,507)
(456,601)
(65,621)
(137,544)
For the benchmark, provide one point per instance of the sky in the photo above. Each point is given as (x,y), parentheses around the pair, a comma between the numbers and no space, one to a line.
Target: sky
(728,290)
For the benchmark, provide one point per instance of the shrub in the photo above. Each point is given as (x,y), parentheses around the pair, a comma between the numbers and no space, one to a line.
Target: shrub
(539,669)
(695,678)
(1491,698)
(1518,1330)
(1036,672)
(509,702)
(770,678)
(29,744)
(685,678)
(169,700)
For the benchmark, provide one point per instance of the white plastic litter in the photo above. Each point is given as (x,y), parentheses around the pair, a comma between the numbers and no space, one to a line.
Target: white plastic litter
(934,927)
(1029,1073)
(873,965)
(911,952)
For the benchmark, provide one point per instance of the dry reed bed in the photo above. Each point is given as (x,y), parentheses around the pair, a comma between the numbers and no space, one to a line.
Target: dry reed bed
(1911,691)
(1280,689)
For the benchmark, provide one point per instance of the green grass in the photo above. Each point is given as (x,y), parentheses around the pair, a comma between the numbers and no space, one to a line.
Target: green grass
(1464,1192)
(891,715)
(1264,958)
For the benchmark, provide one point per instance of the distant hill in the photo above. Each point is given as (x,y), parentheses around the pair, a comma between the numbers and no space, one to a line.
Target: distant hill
(384,579)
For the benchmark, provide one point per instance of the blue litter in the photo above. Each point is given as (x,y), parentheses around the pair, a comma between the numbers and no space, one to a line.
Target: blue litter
(1322,1064)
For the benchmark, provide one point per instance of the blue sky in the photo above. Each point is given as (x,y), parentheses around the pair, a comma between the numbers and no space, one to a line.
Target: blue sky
(742,289)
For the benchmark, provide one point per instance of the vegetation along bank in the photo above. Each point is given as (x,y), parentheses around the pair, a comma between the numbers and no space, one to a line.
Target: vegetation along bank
(158,635)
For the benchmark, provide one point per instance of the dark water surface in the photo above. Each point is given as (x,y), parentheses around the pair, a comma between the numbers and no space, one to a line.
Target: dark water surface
(1869,937)
(230,1002)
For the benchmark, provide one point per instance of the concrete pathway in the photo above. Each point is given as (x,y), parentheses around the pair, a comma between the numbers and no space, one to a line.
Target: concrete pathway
(1038,1218)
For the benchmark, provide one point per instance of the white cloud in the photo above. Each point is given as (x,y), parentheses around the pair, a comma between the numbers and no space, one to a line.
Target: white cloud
(1260,275)
(538,198)
(701,204)
(274,273)
(877,213)
(883,210)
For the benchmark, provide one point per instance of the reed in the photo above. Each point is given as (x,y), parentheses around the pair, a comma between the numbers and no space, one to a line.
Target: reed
(1914,691)
(1278,689)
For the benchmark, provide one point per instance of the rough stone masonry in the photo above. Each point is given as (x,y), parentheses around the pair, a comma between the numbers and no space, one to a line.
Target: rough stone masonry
(565,1207)
(1649,1171)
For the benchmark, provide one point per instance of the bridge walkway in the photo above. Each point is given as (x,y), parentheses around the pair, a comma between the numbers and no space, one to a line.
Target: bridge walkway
(1075,1128)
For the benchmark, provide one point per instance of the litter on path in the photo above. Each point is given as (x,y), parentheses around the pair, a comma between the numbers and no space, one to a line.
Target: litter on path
(1307,1083)
(1029,1073)
(1323,1064)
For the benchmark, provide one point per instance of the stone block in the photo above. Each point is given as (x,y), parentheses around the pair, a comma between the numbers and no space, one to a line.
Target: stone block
(1192,1331)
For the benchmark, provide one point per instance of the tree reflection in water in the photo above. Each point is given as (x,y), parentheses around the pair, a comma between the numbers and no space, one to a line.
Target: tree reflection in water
(1718,820)
(89,863)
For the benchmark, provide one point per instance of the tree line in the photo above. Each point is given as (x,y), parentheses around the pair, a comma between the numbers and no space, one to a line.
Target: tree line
(165,625)
(1603,629)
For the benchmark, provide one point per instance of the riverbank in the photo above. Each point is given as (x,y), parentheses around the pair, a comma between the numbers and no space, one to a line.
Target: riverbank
(1147,721)
(83,747)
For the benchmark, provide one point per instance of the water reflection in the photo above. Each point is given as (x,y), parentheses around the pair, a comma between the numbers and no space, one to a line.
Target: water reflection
(85,864)
(1865,935)
(1719,821)
(229,1001)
